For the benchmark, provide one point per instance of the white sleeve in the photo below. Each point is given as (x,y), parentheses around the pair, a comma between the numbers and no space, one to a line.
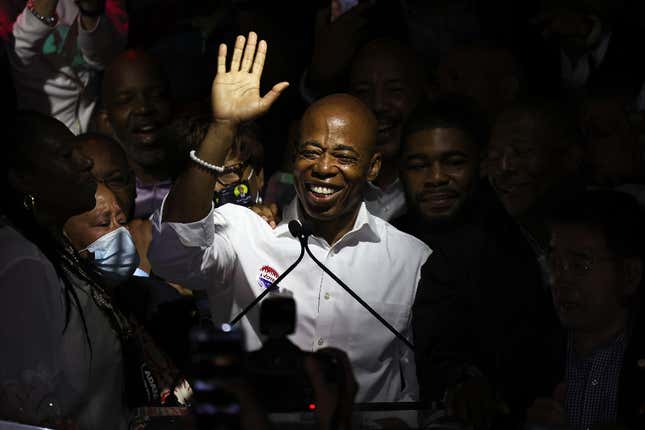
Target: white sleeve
(33,387)
(104,42)
(29,35)
(198,255)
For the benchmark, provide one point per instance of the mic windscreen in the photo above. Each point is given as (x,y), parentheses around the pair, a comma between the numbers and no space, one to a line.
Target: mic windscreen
(295,228)
(307,228)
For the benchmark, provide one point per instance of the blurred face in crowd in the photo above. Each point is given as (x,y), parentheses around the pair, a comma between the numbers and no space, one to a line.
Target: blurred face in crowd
(105,217)
(521,161)
(390,84)
(137,106)
(110,168)
(439,170)
(613,152)
(54,171)
(335,157)
(590,283)
(487,75)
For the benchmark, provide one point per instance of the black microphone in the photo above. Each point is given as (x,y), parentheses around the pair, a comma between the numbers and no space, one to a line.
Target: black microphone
(304,230)
(296,230)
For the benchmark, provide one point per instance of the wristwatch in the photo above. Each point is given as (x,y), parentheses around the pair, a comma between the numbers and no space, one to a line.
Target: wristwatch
(48,20)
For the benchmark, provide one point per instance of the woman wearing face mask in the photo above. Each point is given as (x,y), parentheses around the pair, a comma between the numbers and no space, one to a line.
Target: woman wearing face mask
(62,340)
(101,237)
(72,356)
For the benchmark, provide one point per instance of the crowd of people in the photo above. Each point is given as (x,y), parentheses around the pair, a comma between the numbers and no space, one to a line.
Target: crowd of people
(465,177)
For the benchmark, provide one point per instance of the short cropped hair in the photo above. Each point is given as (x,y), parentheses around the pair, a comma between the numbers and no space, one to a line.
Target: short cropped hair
(448,111)
(617,215)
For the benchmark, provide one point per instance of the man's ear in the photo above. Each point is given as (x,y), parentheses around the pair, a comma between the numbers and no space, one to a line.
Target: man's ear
(375,167)
(633,272)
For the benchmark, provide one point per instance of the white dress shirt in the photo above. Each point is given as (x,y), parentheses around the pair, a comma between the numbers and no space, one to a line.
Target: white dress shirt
(386,203)
(235,254)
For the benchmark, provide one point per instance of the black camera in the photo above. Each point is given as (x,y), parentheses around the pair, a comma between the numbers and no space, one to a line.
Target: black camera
(276,371)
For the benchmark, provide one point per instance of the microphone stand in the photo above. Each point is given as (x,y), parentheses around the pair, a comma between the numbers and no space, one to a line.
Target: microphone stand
(303,241)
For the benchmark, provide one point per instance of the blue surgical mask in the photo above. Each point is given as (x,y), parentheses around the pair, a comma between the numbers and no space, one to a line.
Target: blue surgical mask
(115,255)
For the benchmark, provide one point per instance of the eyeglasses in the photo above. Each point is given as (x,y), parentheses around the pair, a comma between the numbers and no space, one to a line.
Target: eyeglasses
(234,173)
(577,265)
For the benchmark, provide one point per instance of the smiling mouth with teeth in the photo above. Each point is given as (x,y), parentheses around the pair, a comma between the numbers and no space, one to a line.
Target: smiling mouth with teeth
(145,129)
(321,191)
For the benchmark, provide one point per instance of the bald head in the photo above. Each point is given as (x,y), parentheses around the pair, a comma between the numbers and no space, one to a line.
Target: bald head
(347,113)
(128,62)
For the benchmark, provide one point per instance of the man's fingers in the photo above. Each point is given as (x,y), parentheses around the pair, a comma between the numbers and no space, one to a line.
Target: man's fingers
(273,95)
(260,56)
(221,58)
(249,52)
(237,53)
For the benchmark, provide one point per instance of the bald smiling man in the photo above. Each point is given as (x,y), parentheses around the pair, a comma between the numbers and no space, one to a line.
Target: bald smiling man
(234,254)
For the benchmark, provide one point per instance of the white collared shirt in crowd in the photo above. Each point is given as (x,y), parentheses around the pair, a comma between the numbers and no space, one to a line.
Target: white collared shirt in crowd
(55,69)
(234,253)
(386,203)
(575,75)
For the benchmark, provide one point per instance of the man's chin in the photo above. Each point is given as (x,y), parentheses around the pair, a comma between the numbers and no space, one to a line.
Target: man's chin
(320,213)
(149,159)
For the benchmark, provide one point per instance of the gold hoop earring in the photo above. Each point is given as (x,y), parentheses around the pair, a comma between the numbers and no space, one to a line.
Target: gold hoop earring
(29,202)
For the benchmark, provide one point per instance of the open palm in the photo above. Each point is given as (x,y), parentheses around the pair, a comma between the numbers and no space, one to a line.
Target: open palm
(236,93)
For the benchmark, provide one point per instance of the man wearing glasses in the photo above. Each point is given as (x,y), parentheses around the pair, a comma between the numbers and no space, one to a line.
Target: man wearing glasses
(596,258)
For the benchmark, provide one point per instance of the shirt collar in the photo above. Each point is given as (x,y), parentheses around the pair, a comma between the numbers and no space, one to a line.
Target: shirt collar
(394,186)
(365,224)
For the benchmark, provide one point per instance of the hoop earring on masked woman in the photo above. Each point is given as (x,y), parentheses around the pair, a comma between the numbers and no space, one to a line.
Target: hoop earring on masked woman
(29,202)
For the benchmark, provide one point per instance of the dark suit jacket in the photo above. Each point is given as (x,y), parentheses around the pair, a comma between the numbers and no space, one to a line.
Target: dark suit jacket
(481,303)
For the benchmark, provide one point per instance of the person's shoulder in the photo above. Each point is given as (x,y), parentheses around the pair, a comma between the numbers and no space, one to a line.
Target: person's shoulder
(233,211)
(241,218)
(15,245)
(398,240)
(17,249)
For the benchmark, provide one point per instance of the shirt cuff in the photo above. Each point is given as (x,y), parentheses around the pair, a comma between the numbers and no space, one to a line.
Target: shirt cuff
(198,234)
(34,24)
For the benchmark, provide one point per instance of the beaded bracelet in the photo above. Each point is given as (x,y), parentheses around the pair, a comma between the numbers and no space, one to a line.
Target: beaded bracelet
(205,164)
(47,20)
